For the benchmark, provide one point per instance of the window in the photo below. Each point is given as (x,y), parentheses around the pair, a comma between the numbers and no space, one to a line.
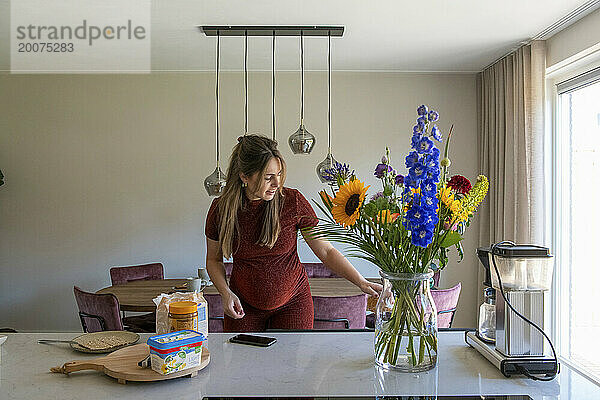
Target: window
(577,216)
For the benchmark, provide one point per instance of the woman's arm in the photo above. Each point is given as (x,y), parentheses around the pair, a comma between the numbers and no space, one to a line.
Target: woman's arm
(216,270)
(335,261)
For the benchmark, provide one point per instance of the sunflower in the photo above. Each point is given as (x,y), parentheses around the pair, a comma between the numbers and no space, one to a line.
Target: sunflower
(347,202)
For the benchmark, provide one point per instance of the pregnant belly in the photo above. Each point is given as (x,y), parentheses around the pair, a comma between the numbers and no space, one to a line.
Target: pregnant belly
(267,290)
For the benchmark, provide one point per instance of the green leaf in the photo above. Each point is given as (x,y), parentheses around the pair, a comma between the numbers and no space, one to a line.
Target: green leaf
(451,238)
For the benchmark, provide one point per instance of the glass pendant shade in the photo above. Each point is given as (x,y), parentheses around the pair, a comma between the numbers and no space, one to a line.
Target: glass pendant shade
(329,162)
(215,182)
(302,141)
(323,166)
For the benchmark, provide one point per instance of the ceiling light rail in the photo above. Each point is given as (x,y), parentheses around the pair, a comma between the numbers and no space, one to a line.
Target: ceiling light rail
(267,30)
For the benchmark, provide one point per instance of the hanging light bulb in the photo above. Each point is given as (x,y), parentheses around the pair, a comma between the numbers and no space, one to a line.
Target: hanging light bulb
(215,182)
(302,141)
(329,162)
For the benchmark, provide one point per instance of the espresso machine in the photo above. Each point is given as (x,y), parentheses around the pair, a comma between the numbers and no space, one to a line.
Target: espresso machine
(511,321)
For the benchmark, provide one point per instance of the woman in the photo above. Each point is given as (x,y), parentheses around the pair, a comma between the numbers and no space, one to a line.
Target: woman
(256,220)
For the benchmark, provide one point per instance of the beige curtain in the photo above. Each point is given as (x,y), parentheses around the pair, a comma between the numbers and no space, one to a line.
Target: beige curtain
(510,101)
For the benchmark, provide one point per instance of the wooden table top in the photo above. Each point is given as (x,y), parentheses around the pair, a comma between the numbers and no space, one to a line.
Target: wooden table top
(138,295)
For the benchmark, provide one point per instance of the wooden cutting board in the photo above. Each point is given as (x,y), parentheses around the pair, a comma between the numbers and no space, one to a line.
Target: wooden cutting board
(123,365)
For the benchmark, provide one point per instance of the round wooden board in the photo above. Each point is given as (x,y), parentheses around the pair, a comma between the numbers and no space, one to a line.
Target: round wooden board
(126,368)
(123,365)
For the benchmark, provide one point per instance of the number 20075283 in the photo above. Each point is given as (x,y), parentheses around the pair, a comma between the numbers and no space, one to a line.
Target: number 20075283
(44,47)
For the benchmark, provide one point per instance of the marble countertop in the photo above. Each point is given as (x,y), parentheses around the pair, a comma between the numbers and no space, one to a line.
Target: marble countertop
(299,364)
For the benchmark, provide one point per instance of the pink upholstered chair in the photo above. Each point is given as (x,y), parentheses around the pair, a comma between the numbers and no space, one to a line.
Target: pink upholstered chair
(121,275)
(446,301)
(215,312)
(344,312)
(318,270)
(98,312)
(228,267)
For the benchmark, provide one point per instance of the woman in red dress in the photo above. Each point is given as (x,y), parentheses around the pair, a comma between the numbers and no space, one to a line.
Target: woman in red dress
(256,221)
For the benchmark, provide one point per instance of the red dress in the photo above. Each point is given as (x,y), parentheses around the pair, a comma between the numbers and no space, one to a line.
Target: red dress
(271,283)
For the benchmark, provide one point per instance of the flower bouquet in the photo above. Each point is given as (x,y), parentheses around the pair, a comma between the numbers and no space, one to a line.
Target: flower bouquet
(406,229)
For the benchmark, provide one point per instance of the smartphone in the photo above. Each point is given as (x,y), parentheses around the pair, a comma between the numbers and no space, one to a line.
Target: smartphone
(253,340)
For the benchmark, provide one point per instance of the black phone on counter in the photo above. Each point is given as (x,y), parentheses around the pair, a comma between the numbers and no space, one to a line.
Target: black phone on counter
(253,340)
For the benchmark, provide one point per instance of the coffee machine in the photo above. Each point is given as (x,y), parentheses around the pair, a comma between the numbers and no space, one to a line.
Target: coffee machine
(516,279)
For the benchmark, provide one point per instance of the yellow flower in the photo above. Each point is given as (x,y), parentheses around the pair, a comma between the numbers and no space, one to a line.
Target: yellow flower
(469,203)
(447,198)
(386,216)
(347,202)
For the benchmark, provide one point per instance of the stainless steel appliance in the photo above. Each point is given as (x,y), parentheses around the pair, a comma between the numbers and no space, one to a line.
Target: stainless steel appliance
(519,275)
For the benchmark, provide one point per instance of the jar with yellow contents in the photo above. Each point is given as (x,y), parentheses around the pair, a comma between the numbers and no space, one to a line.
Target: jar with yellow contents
(183,315)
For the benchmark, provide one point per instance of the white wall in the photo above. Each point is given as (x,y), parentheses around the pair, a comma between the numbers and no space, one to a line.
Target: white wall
(106,170)
(578,37)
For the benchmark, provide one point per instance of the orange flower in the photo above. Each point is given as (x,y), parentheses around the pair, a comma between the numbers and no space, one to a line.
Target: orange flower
(386,216)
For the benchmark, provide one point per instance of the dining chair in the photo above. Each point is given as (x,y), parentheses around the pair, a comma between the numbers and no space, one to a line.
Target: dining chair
(143,272)
(341,312)
(228,268)
(215,312)
(318,270)
(446,301)
(98,312)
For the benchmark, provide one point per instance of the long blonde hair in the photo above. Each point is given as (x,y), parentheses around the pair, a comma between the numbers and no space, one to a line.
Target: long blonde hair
(251,155)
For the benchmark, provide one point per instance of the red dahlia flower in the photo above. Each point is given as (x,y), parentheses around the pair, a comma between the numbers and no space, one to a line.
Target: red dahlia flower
(460,184)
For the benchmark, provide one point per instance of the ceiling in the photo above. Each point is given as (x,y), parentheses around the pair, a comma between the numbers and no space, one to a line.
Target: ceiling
(386,35)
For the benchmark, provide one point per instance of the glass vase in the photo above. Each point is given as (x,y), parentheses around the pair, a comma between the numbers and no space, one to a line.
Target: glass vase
(406,323)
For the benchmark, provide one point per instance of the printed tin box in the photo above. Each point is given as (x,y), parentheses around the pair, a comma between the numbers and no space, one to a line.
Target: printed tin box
(175,351)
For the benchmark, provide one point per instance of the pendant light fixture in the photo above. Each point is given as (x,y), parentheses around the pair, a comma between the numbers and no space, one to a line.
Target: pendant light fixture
(273,85)
(245,83)
(302,141)
(215,182)
(329,161)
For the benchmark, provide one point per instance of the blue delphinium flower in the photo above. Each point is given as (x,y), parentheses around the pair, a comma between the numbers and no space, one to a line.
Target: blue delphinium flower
(416,216)
(422,235)
(411,159)
(425,145)
(415,140)
(433,116)
(417,171)
(428,187)
(424,170)
(422,120)
(436,133)
(410,183)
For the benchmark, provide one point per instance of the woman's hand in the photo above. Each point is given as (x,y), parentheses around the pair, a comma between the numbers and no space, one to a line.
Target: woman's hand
(370,288)
(232,305)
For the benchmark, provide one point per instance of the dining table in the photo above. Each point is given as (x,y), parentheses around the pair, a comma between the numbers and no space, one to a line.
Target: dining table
(137,295)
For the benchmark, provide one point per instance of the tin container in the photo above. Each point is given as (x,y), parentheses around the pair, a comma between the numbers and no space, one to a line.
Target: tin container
(175,351)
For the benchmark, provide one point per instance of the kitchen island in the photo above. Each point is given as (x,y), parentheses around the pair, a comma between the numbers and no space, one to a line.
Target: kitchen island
(299,364)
